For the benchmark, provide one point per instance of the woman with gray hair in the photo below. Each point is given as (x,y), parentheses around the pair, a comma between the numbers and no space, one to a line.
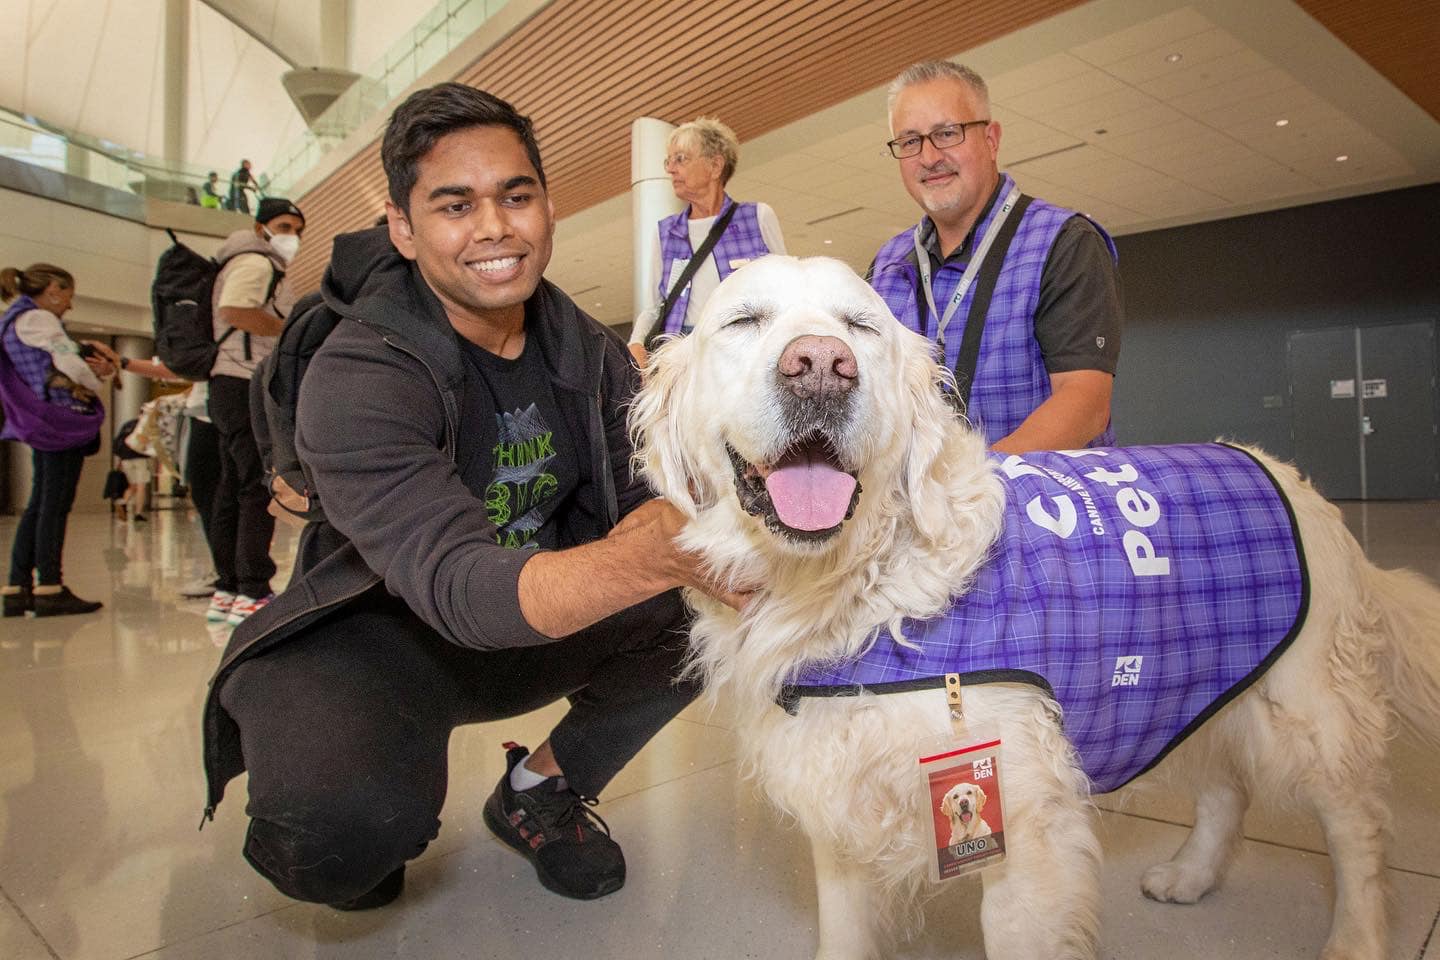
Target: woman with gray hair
(700,159)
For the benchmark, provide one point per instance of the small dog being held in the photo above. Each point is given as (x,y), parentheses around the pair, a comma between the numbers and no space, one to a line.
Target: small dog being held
(962,804)
(804,433)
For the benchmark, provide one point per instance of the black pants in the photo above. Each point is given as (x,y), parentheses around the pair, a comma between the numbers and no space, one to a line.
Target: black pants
(240,522)
(202,470)
(345,729)
(40,537)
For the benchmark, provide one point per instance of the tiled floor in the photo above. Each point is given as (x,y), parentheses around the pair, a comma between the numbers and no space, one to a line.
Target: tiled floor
(100,794)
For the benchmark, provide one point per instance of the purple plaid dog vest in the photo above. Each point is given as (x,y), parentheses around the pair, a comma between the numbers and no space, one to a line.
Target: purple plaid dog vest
(741,241)
(1142,587)
(1010,376)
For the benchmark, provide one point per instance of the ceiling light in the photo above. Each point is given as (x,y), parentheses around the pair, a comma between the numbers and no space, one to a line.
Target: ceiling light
(1342,158)
(1175,58)
(829,241)
(1282,123)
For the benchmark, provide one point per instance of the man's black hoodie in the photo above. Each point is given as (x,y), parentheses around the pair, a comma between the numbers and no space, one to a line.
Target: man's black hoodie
(379,432)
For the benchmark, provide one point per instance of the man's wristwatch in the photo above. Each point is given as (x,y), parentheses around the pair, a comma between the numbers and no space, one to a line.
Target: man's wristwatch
(124,362)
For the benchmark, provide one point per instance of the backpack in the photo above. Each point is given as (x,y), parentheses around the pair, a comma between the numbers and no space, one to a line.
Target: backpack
(280,374)
(181,299)
(120,448)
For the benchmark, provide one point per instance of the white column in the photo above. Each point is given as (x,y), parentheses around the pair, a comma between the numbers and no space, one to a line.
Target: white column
(21,475)
(176,79)
(334,27)
(135,389)
(651,198)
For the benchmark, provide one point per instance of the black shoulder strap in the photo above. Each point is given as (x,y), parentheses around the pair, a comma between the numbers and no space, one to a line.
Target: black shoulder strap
(989,275)
(712,238)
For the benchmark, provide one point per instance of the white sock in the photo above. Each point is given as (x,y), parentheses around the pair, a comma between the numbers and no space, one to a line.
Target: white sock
(523,778)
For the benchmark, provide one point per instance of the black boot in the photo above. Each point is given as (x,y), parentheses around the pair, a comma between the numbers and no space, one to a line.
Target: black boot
(19,604)
(63,603)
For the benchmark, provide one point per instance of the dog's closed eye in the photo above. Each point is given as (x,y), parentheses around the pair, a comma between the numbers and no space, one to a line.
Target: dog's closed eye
(859,320)
(746,314)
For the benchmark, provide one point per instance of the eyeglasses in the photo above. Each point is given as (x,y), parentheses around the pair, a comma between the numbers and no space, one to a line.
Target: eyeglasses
(676,160)
(941,138)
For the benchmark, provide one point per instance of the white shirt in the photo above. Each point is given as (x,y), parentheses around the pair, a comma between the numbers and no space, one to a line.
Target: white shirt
(243,282)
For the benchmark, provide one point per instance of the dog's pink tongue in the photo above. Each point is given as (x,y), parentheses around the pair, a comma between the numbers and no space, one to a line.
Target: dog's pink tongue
(810,493)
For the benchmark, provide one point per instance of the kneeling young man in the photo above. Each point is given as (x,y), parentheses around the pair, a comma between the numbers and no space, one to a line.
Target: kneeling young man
(465,427)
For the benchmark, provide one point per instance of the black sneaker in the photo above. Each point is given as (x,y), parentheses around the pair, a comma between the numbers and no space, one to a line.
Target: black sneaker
(555,829)
(385,892)
(63,603)
(19,604)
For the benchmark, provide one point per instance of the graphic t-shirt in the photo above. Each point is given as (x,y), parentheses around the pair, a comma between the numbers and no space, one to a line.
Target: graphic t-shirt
(530,468)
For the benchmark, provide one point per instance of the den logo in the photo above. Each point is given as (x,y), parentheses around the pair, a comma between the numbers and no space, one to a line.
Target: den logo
(1127,672)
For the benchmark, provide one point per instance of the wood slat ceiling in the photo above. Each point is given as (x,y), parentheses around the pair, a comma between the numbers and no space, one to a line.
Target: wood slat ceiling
(584,70)
(1399,38)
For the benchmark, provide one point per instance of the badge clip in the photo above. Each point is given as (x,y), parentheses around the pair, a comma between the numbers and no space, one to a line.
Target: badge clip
(953,701)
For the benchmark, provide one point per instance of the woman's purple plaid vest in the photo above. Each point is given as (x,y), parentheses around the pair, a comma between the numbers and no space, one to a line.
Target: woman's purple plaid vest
(1010,377)
(1144,587)
(740,241)
(46,418)
(32,363)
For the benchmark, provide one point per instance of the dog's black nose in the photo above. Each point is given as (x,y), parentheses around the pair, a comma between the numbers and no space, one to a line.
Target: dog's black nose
(818,366)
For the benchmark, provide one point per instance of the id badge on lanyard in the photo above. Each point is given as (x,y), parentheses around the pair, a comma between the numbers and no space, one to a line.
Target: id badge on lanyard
(960,795)
(922,260)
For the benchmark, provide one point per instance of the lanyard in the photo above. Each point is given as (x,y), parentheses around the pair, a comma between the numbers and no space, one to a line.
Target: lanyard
(922,260)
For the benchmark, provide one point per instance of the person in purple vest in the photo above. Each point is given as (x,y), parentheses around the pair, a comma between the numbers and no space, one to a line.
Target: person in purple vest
(1021,297)
(701,158)
(50,391)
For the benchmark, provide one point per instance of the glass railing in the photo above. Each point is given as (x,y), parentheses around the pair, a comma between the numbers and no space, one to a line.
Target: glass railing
(121,172)
(437,33)
(126,176)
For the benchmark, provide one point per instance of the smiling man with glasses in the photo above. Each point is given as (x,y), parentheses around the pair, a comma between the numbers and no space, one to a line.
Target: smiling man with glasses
(1021,297)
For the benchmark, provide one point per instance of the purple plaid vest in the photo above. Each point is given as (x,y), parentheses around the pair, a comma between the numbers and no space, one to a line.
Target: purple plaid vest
(46,418)
(1010,377)
(740,241)
(1142,587)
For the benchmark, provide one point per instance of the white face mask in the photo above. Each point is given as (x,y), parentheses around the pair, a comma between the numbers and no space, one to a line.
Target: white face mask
(284,244)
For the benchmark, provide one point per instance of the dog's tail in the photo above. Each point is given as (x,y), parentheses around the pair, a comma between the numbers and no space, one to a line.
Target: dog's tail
(1409,609)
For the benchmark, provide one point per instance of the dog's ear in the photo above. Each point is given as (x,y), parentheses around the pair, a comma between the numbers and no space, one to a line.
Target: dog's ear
(658,416)
(930,422)
(945,804)
(979,799)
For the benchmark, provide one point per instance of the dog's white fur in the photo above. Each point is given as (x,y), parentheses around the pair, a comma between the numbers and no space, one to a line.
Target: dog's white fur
(951,808)
(1313,729)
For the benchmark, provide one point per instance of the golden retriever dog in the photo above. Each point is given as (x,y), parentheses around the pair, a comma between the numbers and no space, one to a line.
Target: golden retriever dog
(797,364)
(961,805)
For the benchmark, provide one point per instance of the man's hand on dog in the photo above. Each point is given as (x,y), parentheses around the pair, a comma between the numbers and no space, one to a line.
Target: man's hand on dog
(661,521)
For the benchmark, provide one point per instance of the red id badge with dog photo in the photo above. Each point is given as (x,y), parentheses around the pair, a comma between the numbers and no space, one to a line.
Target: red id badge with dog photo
(961,778)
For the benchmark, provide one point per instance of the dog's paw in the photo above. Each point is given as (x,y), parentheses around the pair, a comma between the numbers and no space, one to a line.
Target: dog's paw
(1173,882)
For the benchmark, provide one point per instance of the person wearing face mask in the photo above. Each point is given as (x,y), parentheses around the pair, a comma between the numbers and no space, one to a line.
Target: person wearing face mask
(252,299)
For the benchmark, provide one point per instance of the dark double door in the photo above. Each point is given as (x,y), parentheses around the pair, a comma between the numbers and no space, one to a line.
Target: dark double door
(1364,401)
